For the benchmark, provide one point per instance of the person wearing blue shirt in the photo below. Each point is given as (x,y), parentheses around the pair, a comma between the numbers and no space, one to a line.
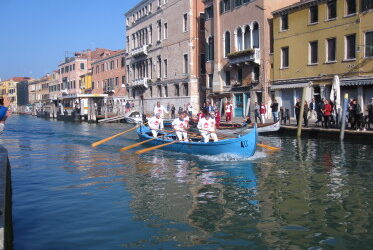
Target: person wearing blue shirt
(3,115)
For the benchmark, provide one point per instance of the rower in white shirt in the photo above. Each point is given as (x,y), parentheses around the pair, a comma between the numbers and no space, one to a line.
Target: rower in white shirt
(181,126)
(159,109)
(155,123)
(207,128)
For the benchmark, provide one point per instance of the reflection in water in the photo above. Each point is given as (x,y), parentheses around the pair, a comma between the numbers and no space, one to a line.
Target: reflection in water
(312,193)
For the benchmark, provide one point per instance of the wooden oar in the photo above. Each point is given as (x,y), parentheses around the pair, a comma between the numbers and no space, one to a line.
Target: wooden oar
(95,144)
(155,147)
(267,146)
(137,144)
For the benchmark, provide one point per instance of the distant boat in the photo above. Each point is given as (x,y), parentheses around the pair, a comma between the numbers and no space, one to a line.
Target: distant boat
(243,146)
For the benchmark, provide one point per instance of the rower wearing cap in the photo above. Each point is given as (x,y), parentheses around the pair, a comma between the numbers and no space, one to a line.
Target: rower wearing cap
(207,127)
(155,123)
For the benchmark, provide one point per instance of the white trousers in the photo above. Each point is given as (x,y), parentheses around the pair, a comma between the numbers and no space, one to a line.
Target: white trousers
(154,132)
(263,118)
(206,136)
(182,135)
(312,115)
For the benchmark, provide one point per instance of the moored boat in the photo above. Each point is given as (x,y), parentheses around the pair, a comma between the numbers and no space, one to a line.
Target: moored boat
(243,146)
(239,129)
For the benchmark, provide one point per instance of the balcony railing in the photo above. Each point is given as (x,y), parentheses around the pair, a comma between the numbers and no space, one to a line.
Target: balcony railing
(141,83)
(140,51)
(248,55)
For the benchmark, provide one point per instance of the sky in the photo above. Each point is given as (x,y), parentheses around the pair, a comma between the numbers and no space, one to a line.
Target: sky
(35,34)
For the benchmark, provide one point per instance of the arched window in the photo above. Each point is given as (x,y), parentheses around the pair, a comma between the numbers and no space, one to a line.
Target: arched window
(247,37)
(227,43)
(239,39)
(210,48)
(256,35)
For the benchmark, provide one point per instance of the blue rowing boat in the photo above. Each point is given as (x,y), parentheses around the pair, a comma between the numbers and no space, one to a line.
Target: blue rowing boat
(243,146)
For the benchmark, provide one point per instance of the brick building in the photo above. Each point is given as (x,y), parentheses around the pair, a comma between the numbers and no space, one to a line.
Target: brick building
(238,47)
(164,46)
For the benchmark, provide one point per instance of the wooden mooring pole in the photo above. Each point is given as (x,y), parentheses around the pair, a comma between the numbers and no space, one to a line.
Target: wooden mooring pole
(343,118)
(299,129)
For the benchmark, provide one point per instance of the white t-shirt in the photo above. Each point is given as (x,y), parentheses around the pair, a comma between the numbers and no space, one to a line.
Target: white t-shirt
(179,125)
(190,108)
(160,110)
(206,125)
(155,123)
(228,108)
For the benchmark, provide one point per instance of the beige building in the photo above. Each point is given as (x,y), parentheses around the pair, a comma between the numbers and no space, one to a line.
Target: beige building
(164,45)
(238,47)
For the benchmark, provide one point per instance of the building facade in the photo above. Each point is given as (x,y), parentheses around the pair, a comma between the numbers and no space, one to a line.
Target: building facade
(108,74)
(316,40)
(238,47)
(164,59)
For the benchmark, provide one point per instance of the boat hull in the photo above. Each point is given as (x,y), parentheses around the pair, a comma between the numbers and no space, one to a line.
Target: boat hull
(273,127)
(243,146)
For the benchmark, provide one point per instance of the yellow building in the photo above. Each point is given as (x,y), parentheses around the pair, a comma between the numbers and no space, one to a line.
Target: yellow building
(313,41)
(85,82)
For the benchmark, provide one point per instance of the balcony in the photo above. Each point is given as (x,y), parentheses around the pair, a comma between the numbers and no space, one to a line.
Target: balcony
(141,83)
(244,56)
(140,51)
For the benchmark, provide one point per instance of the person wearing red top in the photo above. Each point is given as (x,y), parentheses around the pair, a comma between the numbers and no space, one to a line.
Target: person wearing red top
(327,111)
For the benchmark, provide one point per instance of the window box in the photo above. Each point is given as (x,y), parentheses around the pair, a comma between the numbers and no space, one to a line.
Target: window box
(240,53)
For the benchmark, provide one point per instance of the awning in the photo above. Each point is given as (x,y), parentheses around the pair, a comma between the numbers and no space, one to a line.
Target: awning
(290,85)
(357,82)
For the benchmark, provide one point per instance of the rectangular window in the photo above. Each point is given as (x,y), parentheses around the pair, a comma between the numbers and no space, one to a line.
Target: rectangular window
(256,72)
(369,44)
(332,9)
(165,30)
(366,5)
(350,7)
(159,67)
(177,89)
(239,75)
(151,91)
(166,91)
(313,52)
(350,46)
(210,80)
(285,57)
(209,12)
(122,62)
(225,5)
(73,66)
(165,68)
(116,81)
(331,49)
(203,64)
(227,78)
(186,89)
(159,26)
(186,64)
(284,22)
(82,66)
(314,14)
(123,80)
(237,3)
(185,22)
(159,90)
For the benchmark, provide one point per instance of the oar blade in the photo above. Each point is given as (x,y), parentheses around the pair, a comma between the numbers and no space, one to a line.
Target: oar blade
(155,147)
(136,144)
(95,144)
(267,146)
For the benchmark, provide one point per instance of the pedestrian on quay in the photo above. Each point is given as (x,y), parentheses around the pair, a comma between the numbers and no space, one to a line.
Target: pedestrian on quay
(173,110)
(357,116)
(262,112)
(228,111)
(180,110)
(370,112)
(168,107)
(312,114)
(190,110)
(257,113)
(132,105)
(274,109)
(297,110)
(128,106)
(319,108)
(4,114)
(327,111)
(305,114)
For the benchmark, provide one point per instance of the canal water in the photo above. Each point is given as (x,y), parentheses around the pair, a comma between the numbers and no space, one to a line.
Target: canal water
(313,194)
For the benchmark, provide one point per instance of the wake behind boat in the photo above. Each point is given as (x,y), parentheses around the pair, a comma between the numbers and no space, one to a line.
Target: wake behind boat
(243,146)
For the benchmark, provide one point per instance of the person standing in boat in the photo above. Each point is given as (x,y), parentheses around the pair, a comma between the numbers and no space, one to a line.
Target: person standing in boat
(207,128)
(180,126)
(159,109)
(155,123)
